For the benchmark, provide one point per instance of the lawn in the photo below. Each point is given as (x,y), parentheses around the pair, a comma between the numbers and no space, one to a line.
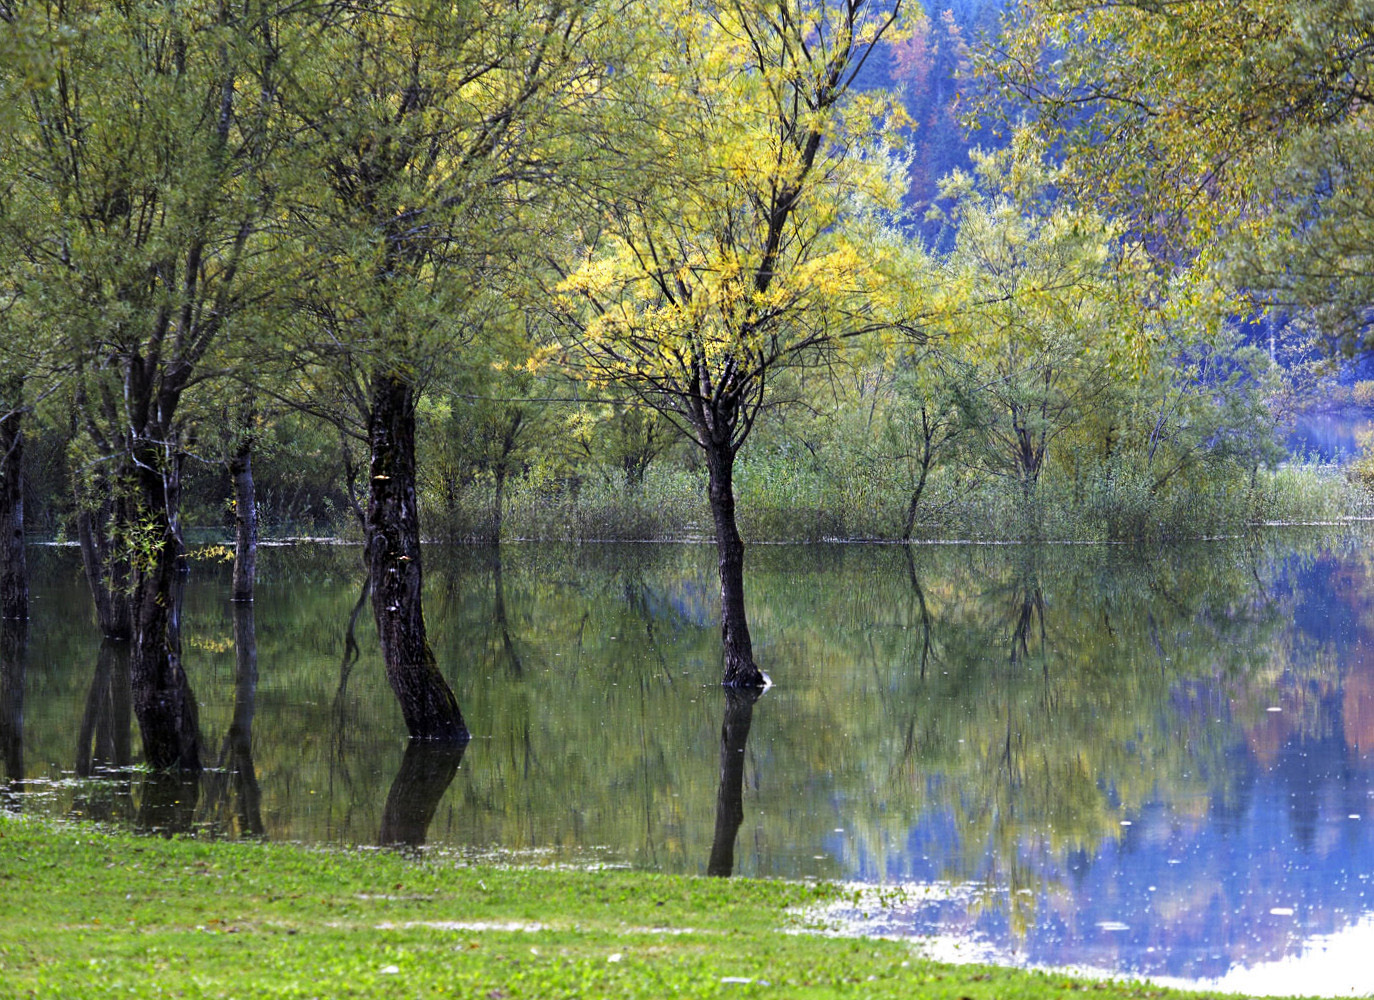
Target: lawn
(89,913)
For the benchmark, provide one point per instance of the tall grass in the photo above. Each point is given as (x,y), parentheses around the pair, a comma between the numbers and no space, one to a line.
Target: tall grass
(785,498)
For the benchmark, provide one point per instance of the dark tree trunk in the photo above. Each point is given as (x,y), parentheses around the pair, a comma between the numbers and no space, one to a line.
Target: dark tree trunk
(927,459)
(740,669)
(107,570)
(163,702)
(245,523)
(426,772)
(14,645)
(14,572)
(734,738)
(393,540)
(498,504)
(510,436)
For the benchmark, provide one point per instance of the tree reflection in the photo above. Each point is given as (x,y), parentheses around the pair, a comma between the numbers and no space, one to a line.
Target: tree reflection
(427,769)
(167,802)
(14,644)
(104,747)
(499,615)
(235,772)
(340,704)
(734,738)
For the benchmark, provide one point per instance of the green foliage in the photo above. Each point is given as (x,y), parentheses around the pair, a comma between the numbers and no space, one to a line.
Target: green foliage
(464,156)
(1236,133)
(1361,470)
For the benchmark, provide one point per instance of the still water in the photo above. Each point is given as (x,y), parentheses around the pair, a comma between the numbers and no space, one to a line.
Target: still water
(1146,762)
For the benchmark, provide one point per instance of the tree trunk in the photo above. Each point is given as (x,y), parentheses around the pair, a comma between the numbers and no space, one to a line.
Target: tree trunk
(498,503)
(245,523)
(927,459)
(14,573)
(393,540)
(107,572)
(14,644)
(427,769)
(910,524)
(734,737)
(740,669)
(163,702)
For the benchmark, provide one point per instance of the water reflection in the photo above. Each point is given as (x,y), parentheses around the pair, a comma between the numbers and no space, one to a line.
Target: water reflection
(167,802)
(14,645)
(1135,760)
(233,785)
(104,743)
(427,769)
(734,740)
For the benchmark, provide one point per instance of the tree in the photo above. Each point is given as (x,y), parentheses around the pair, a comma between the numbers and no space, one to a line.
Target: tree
(434,125)
(140,161)
(1235,134)
(483,425)
(740,253)
(929,418)
(1048,308)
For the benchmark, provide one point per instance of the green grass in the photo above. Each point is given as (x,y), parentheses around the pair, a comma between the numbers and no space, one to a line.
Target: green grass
(86,913)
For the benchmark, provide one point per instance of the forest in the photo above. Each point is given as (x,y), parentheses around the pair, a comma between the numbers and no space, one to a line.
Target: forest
(481,270)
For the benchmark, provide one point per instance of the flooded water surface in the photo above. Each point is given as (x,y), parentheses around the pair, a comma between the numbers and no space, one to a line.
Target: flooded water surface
(1155,763)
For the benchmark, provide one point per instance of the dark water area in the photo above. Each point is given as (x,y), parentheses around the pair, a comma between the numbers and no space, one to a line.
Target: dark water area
(1147,762)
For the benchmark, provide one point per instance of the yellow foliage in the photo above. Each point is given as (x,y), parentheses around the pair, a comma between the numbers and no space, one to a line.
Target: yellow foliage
(747,242)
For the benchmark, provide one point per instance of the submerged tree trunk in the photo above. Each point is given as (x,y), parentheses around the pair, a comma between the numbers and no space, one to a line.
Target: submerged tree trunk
(168,801)
(740,669)
(14,573)
(245,522)
(734,738)
(163,702)
(393,541)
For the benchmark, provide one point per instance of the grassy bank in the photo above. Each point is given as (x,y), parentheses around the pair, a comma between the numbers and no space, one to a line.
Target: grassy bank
(92,914)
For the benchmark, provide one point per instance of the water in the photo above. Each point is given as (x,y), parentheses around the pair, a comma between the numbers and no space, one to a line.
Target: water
(1328,436)
(1150,763)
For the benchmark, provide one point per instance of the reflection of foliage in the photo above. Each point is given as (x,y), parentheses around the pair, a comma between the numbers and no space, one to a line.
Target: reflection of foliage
(1023,700)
